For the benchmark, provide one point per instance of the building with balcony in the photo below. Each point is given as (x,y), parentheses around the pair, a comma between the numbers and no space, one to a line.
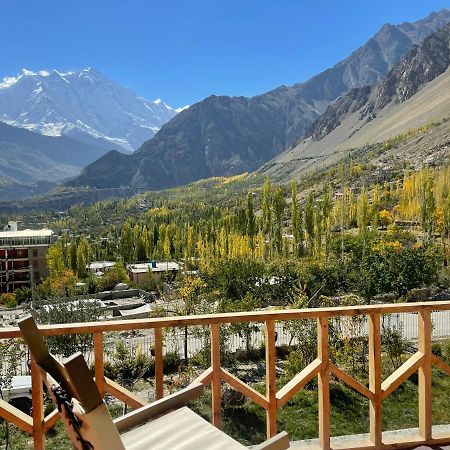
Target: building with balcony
(23,256)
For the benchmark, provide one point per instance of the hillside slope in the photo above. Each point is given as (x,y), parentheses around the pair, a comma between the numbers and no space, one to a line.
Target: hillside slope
(415,92)
(31,159)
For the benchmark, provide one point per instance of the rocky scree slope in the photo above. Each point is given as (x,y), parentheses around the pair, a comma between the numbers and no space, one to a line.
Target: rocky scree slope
(413,93)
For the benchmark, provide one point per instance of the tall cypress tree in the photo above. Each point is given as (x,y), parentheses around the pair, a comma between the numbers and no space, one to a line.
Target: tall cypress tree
(309,221)
(251,221)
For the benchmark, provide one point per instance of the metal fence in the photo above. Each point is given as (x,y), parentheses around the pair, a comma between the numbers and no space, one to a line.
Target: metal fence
(174,340)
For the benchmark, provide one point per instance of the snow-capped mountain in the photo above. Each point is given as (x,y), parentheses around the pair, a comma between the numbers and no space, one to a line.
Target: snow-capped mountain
(85,105)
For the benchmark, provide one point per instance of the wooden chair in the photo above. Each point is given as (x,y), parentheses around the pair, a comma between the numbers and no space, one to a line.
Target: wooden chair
(164,424)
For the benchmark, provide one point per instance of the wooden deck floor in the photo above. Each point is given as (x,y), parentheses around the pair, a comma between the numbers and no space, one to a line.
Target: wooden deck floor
(440,433)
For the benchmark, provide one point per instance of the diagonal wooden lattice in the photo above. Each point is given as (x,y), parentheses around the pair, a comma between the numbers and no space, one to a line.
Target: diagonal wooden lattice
(300,380)
(401,374)
(14,415)
(350,381)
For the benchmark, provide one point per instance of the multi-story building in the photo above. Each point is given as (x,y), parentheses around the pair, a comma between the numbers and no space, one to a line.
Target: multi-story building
(22,256)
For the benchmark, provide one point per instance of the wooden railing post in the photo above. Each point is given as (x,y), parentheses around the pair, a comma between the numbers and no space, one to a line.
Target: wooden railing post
(271,380)
(38,407)
(376,431)
(99,366)
(159,364)
(424,347)
(324,383)
(216,375)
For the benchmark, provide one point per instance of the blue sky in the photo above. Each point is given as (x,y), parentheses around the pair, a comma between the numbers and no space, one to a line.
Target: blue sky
(183,51)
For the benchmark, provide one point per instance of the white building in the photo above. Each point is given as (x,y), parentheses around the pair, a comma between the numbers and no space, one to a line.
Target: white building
(139,272)
(100,266)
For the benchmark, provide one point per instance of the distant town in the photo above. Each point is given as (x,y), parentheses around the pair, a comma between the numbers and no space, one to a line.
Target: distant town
(23,264)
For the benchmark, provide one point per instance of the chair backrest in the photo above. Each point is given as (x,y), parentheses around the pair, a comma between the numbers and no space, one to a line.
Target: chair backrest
(74,392)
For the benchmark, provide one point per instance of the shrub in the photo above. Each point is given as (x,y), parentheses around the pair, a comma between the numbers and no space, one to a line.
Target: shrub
(295,363)
(23,295)
(128,366)
(436,349)
(385,218)
(446,351)
(112,277)
(172,362)
(56,310)
(394,344)
(8,299)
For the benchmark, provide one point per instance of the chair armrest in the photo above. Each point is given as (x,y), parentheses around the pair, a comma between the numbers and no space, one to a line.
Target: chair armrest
(159,407)
(279,442)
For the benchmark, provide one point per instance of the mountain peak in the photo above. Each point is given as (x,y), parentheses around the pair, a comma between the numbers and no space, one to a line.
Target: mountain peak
(387,26)
(84,104)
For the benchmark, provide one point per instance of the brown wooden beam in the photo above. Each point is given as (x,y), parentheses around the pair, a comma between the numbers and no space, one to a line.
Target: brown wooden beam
(243,388)
(208,319)
(302,378)
(271,379)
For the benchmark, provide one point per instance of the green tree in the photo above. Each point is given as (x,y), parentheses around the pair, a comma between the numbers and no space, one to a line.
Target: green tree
(296,218)
(309,220)
(126,243)
(267,210)
(428,204)
(84,254)
(279,204)
(326,208)
(55,260)
(190,290)
(141,242)
(251,220)
(113,276)
(72,256)
(363,211)
(391,268)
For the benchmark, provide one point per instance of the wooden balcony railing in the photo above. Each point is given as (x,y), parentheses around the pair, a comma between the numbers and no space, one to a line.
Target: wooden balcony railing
(274,399)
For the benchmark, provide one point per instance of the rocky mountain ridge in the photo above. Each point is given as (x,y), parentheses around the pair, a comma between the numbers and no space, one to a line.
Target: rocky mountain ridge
(229,135)
(422,64)
(414,95)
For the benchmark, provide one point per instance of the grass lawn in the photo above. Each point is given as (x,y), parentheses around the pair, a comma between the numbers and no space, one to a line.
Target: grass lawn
(349,411)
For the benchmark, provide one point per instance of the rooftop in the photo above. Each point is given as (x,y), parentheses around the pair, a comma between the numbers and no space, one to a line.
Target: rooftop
(25,238)
(156,266)
(26,233)
(101,265)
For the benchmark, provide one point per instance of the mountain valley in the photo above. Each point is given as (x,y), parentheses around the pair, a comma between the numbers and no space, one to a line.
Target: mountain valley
(230,135)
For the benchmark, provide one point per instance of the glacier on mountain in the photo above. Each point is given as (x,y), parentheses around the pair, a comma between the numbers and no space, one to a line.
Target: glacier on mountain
(84,104)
